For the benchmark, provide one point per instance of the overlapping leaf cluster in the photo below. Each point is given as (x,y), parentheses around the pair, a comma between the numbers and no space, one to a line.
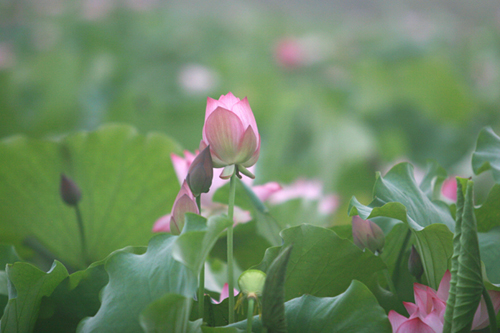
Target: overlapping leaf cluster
(325,284)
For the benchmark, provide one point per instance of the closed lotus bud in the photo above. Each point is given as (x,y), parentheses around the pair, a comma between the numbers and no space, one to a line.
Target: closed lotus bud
(184,203)
(200,174)
(231,131)
(415,264)
(367,234)
(251,282)
(70,192)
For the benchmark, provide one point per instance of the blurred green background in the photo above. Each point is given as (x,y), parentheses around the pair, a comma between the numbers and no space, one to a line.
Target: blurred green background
(339,89)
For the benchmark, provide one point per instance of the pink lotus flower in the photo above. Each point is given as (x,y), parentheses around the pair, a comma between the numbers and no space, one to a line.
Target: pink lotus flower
(225,294)
(174,222)
(427,315)
(231,131)
(208,206)
(309,190)
(449,189)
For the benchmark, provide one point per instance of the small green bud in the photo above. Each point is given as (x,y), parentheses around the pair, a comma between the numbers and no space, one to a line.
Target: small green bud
(415,264)
(70,192)
(200,174)
(251,282)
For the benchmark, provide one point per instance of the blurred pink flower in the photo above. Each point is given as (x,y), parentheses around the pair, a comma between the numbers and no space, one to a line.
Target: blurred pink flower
(231,131)
(225,294)
(197,79)
(449,188)
(293,52)
(427,315)
(174,222)
(208,206)
(289,53)
(309,190)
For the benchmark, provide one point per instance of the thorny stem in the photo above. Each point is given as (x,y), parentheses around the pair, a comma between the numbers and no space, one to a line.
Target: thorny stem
(201,288)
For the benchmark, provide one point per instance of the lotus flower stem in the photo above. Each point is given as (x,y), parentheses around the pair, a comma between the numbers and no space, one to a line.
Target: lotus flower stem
(390,284)
(79,219)
(395,273)
(230,273)
(201,288)
(491,311)
(251,302)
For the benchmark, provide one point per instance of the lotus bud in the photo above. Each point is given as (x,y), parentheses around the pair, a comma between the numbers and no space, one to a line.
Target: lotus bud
(415,264)
(184,203)
(231,132)
(200,174)
(251,283)
(367,234)
(70,192)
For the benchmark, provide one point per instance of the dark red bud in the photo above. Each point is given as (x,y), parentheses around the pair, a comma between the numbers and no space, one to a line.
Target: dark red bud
(415,264)
(200,174)
(70,193)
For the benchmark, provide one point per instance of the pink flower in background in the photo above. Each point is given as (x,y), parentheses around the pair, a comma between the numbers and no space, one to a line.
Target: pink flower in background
(197,79)
(309,190)
(449,188)
(289,53)
(94,10)
(225,294)
(427,315)
(174,222)
(208,206)
(231,131)
(294,52)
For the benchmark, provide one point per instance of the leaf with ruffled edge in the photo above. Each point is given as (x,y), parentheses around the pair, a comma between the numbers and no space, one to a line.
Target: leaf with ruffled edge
(135,281)
(398,197)
(355,310)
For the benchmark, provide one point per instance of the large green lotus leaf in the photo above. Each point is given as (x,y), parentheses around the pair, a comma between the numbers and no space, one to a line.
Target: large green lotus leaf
(75,298)
(398,198)
(166,315)
(355,310)
(488,214)
(322,264)
(135,281)
(487,153)
(489,246)
(126,179)
(27,285)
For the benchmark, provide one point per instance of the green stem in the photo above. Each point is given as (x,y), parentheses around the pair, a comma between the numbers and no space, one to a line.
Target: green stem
(79,219)
(201,287)
(390,284)
(251,302)
(230,269)
(491,311)
(395,273)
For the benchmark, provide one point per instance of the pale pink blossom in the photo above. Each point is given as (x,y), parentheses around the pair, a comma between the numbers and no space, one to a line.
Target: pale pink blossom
(449,189)
(231,131)
(309,190)
(427,314)
(225,294)
(208,206)
(294,52)
(197,79)
(174,222)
